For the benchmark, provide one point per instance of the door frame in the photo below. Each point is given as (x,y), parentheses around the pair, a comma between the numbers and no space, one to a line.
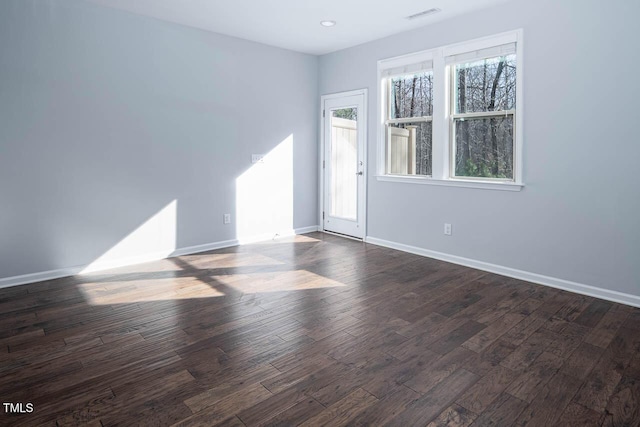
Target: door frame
(361,128)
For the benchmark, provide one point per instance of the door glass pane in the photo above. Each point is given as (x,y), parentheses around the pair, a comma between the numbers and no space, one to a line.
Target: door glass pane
(343,163)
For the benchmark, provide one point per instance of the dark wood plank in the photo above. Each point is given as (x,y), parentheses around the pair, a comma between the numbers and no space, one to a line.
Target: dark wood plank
(315,377)
(592,315)
(372,341)
(429,406)
(272,406)
(229,406)
(458,304)
(550,403)
(574,308)
(576,415)
(421,342)
(454,416)
(502,412)
(383,381)
(465,333)
(319,330)
(437,371)
(386,408)
(503,306)
(568,340)
(296,414)
(135,393)
(582,360)
(485,361)
(529,350)
(231,422)
(213,395)
(633,370)
(623,409)
(523,330)
(493,332)
(599,385)
(344,410)
(477,398)
(534,378)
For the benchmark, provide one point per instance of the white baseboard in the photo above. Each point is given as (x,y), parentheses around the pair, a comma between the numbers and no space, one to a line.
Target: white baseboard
(271,236)
(592,291)
(123,262)
(40,276)
(105,265)
(203,248)
(305,230)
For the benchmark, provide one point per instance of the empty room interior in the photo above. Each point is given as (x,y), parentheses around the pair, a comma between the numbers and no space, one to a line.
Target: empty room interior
(363,213)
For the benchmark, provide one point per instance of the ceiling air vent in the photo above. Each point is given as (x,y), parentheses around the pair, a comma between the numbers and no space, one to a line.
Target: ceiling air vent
(424,13)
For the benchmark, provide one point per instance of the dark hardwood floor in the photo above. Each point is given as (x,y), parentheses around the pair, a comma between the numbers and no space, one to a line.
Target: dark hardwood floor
(314,330)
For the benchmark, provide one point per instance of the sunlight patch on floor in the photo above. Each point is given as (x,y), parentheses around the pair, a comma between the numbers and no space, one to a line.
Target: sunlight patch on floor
(290,238)
(295,280)
(190,287)
(133,291)
(229,260)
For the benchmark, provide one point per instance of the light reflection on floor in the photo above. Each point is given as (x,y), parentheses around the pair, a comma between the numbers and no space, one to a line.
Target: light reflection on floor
(202,276)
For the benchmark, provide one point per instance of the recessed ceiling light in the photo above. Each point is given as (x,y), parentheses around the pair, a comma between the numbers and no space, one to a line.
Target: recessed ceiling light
(327,23)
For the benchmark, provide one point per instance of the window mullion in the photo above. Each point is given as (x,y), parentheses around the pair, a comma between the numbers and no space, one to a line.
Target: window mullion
(418,119)
(440,131)
(483,114)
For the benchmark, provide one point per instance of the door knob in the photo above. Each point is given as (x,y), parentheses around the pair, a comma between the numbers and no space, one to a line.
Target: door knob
(359,173)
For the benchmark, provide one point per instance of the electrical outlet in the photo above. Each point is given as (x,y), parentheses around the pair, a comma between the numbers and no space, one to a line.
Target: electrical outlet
(447,229)
(226,219)
(257,158)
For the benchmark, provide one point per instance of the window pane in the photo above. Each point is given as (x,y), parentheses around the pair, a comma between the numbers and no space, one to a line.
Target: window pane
(484,147)
(411,96)
(486,85)
(343,163)
(410,148)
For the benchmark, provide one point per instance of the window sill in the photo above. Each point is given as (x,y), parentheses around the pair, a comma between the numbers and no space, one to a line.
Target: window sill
(484,185)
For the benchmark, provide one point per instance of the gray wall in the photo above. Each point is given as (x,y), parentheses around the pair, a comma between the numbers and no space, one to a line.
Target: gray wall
(578,217)
(106,117)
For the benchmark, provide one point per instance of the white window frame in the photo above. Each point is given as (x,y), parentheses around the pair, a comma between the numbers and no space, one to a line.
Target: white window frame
(406,65)
(442,119)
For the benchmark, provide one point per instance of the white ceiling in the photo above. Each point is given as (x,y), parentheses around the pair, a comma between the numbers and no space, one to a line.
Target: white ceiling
(295,24)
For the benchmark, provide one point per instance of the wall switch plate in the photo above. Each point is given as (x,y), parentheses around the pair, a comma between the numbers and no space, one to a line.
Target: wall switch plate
(257,158)
(226,219)
(447,229)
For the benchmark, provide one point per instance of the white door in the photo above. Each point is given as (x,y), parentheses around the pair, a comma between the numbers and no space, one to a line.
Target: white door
(344,169)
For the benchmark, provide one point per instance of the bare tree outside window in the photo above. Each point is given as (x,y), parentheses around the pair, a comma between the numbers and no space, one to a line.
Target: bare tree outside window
(484,111)
(471,133)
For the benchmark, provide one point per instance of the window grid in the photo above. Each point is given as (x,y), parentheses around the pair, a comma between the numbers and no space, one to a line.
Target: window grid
(482,123)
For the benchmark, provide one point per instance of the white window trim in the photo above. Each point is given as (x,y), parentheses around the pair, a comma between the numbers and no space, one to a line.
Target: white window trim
(442,119)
